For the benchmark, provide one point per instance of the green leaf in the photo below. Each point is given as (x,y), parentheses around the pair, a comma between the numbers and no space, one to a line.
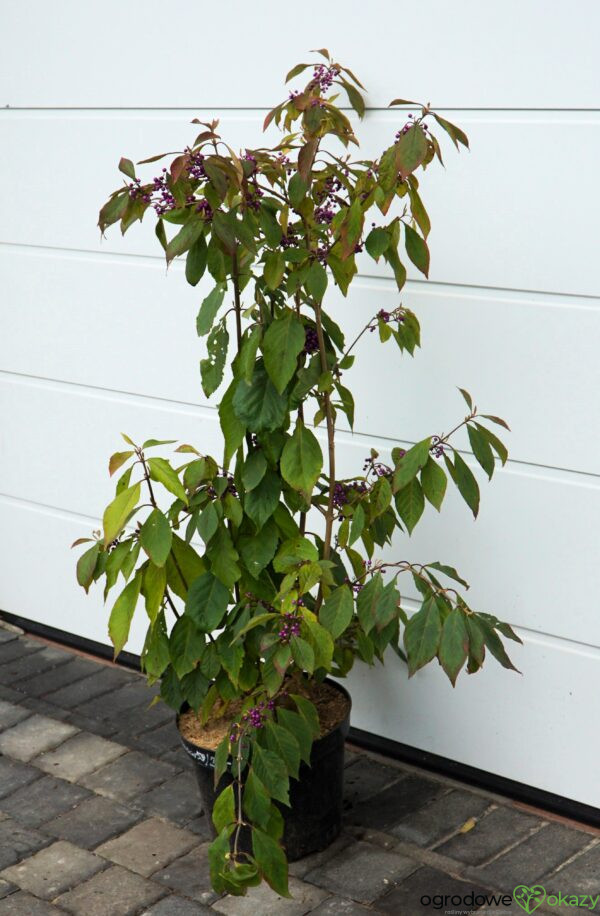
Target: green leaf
(153,589)
(270,227)
(299,727)
(284,744)
(337,611)
(448,571)
(255,466)
(195,263)
(212,368)
(467,397)
(246,358)
(223,226)
(208,522)
(223,557)
(185,238)
(126,166)
(217,862)
(351,228)
(118,511)
(411,463)
(155,655)
(281,345)
(308,712)
(417,250)
(482,450)
(221,758)
(207,602)
(455,133)
(410,152)
(183,566)
(117,460)
(156,537)
(258,404)
(301,460)
(274,269)
(272,862)
(377,242)
(224,809)
(297,189)
(367,600)
(261,502)
(209,308)
(495,442)
(433,482)
(422,635)
(232,428)
(256,802)
(358,524)
(498,420)
(387,606)
(86,566)
(316,281)
(258,551)
(453,644)
(162,472)
(410,504)
(272,772)
(122,613)
(302,654)
(492,641)
(186,645)
(463,477)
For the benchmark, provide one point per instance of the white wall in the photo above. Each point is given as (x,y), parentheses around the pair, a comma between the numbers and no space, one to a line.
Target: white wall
(512,313)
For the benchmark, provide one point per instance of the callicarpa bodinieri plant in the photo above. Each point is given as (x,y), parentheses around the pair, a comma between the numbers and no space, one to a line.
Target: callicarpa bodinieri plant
(258,568)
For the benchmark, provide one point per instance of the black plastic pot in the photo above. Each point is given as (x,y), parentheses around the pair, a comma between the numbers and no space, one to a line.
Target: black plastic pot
(314,818)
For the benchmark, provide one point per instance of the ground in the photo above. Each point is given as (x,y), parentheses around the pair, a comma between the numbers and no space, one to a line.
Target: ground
(100,816)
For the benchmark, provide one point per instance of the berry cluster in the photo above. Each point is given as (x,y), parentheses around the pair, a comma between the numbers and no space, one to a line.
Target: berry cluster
(371,466)
(289,240)
(255,717)
(324,214)
(342,492)
(311,340)
(195,168)
(158,194)
(437,447)
(290,628)
(324,76)
(410,124)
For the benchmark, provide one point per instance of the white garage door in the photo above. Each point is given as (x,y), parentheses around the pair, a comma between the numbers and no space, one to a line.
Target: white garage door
(516,277)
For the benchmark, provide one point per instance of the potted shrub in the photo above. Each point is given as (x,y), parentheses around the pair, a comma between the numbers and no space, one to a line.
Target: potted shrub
(259,568)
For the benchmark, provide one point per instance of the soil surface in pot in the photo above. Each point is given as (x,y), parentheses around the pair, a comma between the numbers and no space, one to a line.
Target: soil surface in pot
(331,704)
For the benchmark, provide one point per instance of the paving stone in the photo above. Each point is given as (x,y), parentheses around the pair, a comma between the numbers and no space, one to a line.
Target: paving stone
(301,867)
(156,742)
(148,846)
(534,857)
(110,705)
(87,688)
(54,870)
(177,906)
(17,841)
(388,807)
(489,836)
(263,900)
(362,871)
(337,906)
(35,804)
(7,635)
(201,827)
(427,884)
(13,775)
(105,727)
(6,888)
(178,799)
(23,904)
(114,892)
(57,677)
(366,777)
(10,714)
(128,776)
(440,818)
(18,648)
(142,718)
(79,756)
(35,704)
(30,737)
(9,695)
(581,876)
(94,821)
(30,664)
(189,875)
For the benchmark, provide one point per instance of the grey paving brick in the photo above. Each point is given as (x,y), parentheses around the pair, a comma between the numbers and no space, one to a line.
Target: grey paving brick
(35,804)
(114,892)
(143,718)
(105,727)
(157,741)
(388,807)
(17,841)
(18,648)
(101,681)
(6,888)
(178,799)
(338,906)
(10,695)
(178,906)
(29,665)
(427,884)
(10,714)
(189,876)
(366,777)
(534,857)
(23,904)
(30,737)
(581,876)
(149,846)
(53,870)
(51,680)
(301,867)
(35,704)
(263,900)
(489,836)
(128,776)
(440,818)
(94,821)
(201,827)
(78,756)
(7,635)
(13,775)
(362,872)
(110,705)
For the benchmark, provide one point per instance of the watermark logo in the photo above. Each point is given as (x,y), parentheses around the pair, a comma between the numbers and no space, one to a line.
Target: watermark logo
(529,898)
